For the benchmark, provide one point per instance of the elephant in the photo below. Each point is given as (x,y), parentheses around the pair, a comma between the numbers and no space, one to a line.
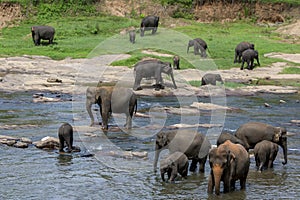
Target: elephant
(211,79)
(193,144)
(265,153)
(240,48)
(111,100)
(228,136)
(176,60)
(132,36)
(65,135)
(229,162)
(252,133)
(199,45)
(149,23)
(152,68)
(175,163)
(42,32)
(248,56)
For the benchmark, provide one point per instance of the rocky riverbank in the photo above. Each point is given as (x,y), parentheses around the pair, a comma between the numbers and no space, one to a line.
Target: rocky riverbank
(42,74)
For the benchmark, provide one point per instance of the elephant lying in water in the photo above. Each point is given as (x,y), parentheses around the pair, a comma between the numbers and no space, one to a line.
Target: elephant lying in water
(152,68)
(111,100)
(252,133)
(193,144)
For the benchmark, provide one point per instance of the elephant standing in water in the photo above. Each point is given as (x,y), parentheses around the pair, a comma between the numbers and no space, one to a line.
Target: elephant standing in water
(211,79)
(265,153)
(111,100)
(175,163)
(248,56)
(229,162)
(65,135)
(199,45)
(193,144)
(42,32)
(149,23)
(240,48)
(152,68)
(252,133)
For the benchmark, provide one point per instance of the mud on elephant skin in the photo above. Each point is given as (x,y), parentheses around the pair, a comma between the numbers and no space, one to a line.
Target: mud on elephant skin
(42,32)
(229,162)
(152,68)
(175,163)
(211,79)
(252,133)
(111,99)
(149,23)
(190,142)
(240,48)
(265,153)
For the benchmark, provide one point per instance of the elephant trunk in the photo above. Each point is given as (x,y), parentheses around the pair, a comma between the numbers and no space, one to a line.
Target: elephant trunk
(217,171)
(88,108)
(157,152)
(284,147)
(173,80)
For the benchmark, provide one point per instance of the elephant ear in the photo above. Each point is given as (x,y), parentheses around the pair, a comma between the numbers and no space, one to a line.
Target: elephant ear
(205,148)
(230,157)
(277,134)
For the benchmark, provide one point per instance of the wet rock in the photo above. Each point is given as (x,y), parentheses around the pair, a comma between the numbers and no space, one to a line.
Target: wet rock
(54,80)
(20,144)
(267,105)
(45,99)
(47,143)
(208,106)
(195,125)
(295,121)
(26,140)
(128,154)
(282,101)
(7,142)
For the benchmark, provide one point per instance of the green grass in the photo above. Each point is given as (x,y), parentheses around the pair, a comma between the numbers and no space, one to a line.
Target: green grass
(82,36)
(291,70)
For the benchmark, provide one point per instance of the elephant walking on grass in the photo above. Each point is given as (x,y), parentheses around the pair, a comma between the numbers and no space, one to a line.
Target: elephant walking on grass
(240,48)
(199,45)
(193,144)
(265,153)
(248,56)
(65,135)
(152,68)
(42,32)
(175,163)
(229,162)
(149,23)
(252,133)
(111,100)
(132,36)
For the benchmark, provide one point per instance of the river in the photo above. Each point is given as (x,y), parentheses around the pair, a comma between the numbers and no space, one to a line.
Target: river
(38,174)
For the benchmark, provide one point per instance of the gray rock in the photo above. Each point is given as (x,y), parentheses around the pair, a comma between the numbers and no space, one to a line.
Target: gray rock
(21,145)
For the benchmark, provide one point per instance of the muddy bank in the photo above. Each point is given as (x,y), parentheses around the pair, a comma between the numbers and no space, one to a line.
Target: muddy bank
(39,73)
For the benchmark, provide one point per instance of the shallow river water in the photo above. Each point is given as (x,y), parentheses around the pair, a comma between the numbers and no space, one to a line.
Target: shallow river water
(37,174)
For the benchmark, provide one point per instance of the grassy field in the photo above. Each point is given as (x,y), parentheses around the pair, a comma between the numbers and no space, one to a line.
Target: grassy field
(85,36)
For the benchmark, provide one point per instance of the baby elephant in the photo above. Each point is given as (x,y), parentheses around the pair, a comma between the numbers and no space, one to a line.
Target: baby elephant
(65,134)
(248,56)
(265,153)
(176,60)
(132,36)
(175,163)
(211,79)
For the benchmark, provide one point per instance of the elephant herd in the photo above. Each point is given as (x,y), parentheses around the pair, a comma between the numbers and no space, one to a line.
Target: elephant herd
(229,161)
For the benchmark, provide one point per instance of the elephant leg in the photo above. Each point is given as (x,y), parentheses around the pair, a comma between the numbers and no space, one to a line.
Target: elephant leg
(202,162)
(242,66)
(193,165)
(243,183)
(137,82)
(128,124)
(61,143)
(211,183)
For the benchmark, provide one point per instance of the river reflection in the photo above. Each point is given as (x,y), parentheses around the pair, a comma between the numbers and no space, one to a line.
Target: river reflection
(36,174)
